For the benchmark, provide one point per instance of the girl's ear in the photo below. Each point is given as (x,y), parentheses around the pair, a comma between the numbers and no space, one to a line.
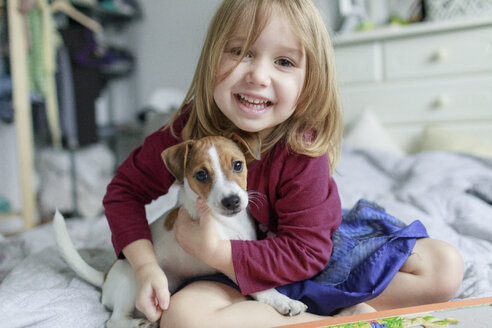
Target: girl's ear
(250,144)
(175,158)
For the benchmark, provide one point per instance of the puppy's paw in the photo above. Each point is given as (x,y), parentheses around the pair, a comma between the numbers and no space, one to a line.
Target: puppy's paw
(147,324)
(291,307)
(280,302)
(126,321)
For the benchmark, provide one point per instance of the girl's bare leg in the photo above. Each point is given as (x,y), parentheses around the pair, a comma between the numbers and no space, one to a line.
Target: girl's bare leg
(432,274)
(211,304)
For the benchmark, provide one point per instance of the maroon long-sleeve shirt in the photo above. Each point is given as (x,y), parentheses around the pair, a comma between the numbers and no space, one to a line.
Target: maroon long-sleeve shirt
(296,204)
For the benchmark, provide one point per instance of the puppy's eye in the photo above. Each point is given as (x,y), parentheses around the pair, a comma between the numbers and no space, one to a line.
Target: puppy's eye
(202,176)
(237,166)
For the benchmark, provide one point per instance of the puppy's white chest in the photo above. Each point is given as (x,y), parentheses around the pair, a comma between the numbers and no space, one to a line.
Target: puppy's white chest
(239,227)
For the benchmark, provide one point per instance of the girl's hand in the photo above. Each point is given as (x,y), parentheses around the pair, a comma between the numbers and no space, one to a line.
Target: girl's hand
(199,239)
(153,292)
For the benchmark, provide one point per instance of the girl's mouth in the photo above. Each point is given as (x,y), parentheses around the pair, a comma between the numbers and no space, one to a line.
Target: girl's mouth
(253,103)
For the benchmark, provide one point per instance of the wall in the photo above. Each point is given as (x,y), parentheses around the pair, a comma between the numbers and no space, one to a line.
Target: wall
(168,43)
(329,11)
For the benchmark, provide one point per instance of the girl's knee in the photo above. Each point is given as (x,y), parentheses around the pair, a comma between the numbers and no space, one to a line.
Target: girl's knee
(451,267)
(447,269)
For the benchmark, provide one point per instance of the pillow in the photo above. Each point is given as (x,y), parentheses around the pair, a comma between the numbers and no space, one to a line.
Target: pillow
(439,138)
(367,132)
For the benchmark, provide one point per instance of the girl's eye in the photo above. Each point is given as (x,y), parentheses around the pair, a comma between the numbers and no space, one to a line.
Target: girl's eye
(202,176)
(239,51)
(285,62)
(237,166)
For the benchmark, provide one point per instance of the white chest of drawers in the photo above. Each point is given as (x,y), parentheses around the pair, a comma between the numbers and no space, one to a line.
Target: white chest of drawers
(412,76)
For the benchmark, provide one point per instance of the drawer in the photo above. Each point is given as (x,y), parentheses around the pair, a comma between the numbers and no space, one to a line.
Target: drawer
(407,102)
(358,63)
(467,51)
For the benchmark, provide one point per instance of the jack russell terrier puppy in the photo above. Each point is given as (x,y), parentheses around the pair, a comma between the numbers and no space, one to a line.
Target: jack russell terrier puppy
(213,168)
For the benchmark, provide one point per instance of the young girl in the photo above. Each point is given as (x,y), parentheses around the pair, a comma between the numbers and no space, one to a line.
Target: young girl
(267,67)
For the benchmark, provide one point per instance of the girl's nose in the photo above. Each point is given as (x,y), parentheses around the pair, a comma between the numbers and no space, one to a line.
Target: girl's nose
(258,74)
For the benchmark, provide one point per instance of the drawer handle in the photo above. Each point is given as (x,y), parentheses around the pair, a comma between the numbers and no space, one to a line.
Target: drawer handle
(442,101)
(440,54)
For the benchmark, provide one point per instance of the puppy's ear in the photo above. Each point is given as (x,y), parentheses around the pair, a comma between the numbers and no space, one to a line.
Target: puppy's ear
(175,158)
(250,144)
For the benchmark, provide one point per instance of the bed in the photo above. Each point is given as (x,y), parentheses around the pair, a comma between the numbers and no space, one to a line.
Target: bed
(450,192)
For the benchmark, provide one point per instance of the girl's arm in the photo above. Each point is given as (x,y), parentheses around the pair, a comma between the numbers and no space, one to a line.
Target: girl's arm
(201,240)
(153,293)
(301,211)
(141,178)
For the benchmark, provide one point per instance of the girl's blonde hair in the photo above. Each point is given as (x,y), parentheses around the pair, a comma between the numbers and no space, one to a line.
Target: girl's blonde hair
(315,127)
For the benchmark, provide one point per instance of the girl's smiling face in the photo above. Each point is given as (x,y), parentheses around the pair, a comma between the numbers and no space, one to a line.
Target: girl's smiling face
(262,91)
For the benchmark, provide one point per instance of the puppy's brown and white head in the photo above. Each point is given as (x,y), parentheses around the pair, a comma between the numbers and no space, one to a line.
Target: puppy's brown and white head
(213,168)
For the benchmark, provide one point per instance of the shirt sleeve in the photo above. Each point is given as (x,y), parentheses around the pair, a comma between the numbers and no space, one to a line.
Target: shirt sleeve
(141,178)
(308,211)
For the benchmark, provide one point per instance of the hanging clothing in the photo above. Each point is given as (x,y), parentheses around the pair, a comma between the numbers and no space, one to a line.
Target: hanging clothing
(88,83)
(66,98)
(42,64)
(37,69)
(49,47)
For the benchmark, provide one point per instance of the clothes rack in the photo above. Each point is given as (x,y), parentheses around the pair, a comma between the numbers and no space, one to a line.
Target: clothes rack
(82,13)
(21,96)
(23,115)
(69,10)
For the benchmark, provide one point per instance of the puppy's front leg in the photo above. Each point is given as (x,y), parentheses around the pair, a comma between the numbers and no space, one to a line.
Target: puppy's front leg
(280,302)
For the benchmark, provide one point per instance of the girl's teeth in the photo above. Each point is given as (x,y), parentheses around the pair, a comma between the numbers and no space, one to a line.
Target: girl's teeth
(253,101)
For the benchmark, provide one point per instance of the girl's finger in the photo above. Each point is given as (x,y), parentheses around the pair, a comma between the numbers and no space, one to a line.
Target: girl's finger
(162,296)
(200,204)
(202,207)
(146,305)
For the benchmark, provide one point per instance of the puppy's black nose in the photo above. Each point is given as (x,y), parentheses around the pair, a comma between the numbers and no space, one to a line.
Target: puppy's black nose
(231,202)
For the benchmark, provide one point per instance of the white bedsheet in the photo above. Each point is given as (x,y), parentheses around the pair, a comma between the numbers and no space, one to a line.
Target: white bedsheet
(38,289)
(449,193)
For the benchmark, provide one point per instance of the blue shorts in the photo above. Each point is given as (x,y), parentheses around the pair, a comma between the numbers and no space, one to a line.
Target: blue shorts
(369,248)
